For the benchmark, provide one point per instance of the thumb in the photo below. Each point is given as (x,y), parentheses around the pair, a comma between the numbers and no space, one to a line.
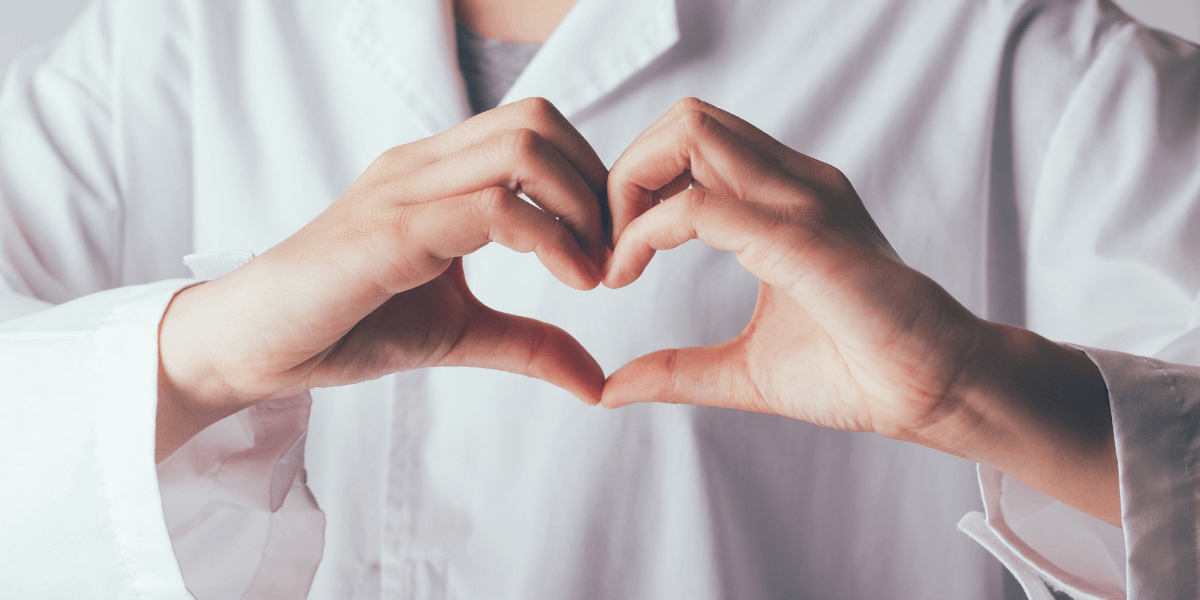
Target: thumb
(708,376)
(504,342)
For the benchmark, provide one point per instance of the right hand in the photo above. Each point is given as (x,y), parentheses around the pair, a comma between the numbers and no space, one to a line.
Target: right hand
(374,285)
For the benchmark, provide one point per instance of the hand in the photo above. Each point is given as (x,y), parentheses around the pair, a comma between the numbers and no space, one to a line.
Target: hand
(844,335)
(374,285)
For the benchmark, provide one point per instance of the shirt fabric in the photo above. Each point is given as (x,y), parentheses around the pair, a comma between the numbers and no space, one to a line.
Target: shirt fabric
(1036,158)
(489,67)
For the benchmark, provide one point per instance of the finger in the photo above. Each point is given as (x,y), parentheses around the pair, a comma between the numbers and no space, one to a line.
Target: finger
(815,173)
(748,229)
(672,113)
(523,162)
(718,158)
(537,114)
(495,340)
(677,185)
(707,376)
(692,104)
(461,225)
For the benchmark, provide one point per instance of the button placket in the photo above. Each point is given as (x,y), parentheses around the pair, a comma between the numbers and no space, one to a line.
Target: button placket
(408,572)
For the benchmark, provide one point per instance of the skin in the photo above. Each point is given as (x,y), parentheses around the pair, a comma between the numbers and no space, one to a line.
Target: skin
(518,22)
(844,334)
(374,285)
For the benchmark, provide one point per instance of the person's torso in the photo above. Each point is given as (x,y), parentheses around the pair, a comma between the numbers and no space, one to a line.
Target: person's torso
(459,483)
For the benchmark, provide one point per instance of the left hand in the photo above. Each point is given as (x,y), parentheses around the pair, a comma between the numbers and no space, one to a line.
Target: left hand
(844,335)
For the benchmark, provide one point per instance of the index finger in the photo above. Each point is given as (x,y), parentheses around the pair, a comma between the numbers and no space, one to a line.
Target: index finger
(630,203)
(537,114)
(717,157)
(799,165)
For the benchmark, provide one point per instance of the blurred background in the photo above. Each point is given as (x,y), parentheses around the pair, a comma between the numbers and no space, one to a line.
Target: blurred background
(24,23)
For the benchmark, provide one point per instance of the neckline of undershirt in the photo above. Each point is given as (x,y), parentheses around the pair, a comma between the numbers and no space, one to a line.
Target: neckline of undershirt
(490,67)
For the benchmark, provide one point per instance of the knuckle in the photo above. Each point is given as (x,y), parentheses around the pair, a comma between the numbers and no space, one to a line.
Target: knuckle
(395,162)
(695,119)
(802,207)
(691,199)
(393,153)
(383,164)
(492,201)
(539,110)
(676,376)
(697,123)
(522,144)
(834,179)
(689,104)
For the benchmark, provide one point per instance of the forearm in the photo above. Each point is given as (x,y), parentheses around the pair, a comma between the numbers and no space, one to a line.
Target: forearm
(1039,412)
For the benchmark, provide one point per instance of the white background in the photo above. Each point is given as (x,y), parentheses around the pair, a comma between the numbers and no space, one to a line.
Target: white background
(24,23)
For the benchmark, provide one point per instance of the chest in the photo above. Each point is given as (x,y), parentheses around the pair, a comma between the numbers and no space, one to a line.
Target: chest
(285,120)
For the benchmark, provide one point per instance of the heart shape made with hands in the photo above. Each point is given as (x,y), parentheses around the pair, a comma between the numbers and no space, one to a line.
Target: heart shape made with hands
(843,334)
(374,285)
(826,321)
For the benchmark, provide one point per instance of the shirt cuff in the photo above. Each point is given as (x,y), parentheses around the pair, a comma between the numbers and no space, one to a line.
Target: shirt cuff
(1156,422)
(1041,539)
(1156,418)
(77,430)
(242,519)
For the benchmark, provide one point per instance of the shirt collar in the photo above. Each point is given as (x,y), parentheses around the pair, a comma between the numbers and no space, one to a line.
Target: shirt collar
(598,46)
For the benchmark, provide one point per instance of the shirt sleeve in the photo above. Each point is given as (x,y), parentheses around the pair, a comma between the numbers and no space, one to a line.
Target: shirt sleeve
(88,515)
(82,515)
(241,517)
(1106,134)
(87,223)
(1156,420)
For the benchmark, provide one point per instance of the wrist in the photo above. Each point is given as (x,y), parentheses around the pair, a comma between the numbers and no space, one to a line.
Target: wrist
(191,393)
(1038,411)
(1025,386)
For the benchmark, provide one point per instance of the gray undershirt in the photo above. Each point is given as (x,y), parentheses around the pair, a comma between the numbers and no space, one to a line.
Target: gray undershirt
(490,67)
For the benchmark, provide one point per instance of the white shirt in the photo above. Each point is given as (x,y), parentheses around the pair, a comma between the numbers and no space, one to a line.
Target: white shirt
(1037,158)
